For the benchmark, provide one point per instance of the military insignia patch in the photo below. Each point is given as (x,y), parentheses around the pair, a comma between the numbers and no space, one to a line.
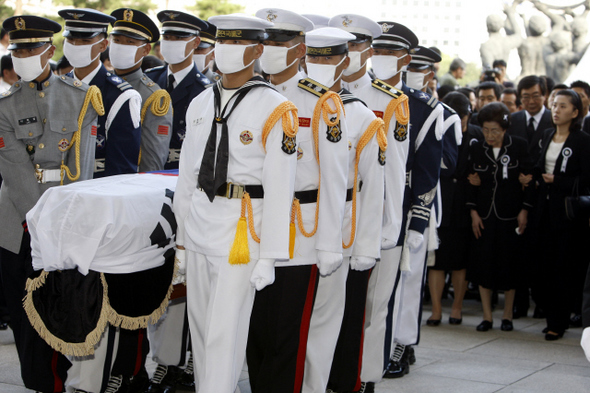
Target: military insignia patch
(386,27)
(401,132)
(271,16)
(288,144)
(299,153)
(19,23)
(334,133)
(100,140)
(63,145)
(75,16)
(246,137)
(77,83)
(381,157)
(128,15)
(163,130)
(304,122)
(345,21)
(2,145)
(30,149)
(93,130)
(349,145)
(379,114)
(171,15)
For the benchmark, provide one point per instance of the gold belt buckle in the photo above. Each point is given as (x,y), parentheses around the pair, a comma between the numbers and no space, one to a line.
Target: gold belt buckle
(234,190)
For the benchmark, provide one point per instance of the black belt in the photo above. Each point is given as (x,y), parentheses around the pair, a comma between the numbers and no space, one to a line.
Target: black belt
(311,196)
(234,190)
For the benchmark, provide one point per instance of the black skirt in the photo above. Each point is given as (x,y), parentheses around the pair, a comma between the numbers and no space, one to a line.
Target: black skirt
(454,248)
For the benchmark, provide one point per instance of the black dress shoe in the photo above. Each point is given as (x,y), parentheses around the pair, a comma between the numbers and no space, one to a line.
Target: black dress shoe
(411,354)
(484,326)
(367,387)
(506,325)
(455,321)
(552,336)
(397,369)
(3,325)
(433,322)
(545,330)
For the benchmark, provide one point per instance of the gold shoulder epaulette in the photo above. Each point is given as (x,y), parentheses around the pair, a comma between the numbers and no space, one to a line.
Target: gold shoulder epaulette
(387,89)
(313,87)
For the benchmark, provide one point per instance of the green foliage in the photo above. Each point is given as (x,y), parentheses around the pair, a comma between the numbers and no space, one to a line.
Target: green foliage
(472,72)
(206,8)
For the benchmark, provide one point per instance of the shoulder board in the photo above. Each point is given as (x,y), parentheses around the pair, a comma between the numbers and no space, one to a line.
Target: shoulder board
(13,89)
(154,69)
(202,79)
(118,81)
(426,98)
(347,97)
(153,86)
(312,87)
(210,85)
(73,82)
(448,108)
(387,89)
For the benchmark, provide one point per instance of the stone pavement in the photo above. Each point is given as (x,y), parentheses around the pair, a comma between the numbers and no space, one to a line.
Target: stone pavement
(451,359)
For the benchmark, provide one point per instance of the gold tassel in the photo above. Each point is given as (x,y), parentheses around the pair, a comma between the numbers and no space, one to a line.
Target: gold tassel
(240,254)
(291,240)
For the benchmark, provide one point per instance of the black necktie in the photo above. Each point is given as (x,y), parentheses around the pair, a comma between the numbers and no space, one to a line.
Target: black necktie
(170,83)
(530,130)
(212,177)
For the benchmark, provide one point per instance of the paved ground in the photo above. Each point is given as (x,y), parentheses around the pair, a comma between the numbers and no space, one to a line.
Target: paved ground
(451,359)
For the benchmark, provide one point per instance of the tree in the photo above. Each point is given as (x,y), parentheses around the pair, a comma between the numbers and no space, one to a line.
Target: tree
(206,8)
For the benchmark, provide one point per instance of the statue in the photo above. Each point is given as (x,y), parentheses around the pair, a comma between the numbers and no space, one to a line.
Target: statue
(531,51)
(498,47)
(561,61)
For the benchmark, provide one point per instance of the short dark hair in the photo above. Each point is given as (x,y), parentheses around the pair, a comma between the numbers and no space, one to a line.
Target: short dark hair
(104,56)
(5,64)
(2,33)
(531,81)
(499,63)
(510,90)
(549,82)
(62,63)
(576,101)
(490,85)
(495,111)
(559,86)
(151,62)
(444,90)
(581,85)
(459,103)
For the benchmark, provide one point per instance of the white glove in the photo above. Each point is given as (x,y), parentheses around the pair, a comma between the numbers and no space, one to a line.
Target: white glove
(180,260)
(585,342)
(329,262)
(263,274)
(362,263)
(387,244)
(414,240)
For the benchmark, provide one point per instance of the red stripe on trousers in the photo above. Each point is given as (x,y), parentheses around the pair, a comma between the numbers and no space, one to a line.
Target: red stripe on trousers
(304,330)
(139,351)
(58,384)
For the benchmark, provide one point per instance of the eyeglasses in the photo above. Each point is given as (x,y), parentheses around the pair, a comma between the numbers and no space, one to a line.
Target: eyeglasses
(492,131)
(535,97)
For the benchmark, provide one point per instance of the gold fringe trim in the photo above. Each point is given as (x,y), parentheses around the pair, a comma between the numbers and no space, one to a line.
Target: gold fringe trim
(72,349)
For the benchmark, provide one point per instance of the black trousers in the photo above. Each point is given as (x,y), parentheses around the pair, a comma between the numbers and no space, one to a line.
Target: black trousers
(42,368)
(279,327)
(345,375)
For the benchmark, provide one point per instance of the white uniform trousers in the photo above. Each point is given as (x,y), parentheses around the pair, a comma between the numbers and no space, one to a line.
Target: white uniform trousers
(409,293)
(219,302)
(324,328)
(88,372)
(381,285)
(168,344)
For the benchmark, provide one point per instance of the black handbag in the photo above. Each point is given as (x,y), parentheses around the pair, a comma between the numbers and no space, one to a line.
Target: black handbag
(577,207)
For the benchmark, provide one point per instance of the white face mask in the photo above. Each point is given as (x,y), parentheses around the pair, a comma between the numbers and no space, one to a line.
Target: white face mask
(29,68)
(200,61)
(274,59)
(123,56)
(355,62)
(324,74)
(174,51)
(230,58)
(385,67)
(415,80)
(79,55)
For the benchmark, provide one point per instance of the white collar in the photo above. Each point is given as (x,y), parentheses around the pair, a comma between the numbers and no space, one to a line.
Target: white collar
(357,84)
(290,83)
(537,117)
(180,75)
(88,78)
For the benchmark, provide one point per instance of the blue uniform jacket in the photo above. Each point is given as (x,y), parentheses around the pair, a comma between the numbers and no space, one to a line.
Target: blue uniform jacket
(182,95)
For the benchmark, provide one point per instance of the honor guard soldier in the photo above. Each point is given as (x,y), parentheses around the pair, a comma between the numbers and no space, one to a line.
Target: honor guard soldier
(182,79)
(156,111)
(318,238)
(204,55)
(237,167)
(391,105)
(47,138)
(392,55)
(117,149)
(346,364)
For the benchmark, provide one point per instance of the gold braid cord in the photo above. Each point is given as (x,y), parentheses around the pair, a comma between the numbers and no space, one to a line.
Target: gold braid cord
(159,104)
(400,107)
(377,126)
(324,110)
(247,204)
(94,96)
(290,123)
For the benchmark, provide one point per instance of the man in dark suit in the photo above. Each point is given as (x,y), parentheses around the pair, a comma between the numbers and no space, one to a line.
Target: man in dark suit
(530,122)
(182,79)
(583,90)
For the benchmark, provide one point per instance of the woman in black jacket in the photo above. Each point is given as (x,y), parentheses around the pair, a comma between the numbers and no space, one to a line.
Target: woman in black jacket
(563,170)
(499,210)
